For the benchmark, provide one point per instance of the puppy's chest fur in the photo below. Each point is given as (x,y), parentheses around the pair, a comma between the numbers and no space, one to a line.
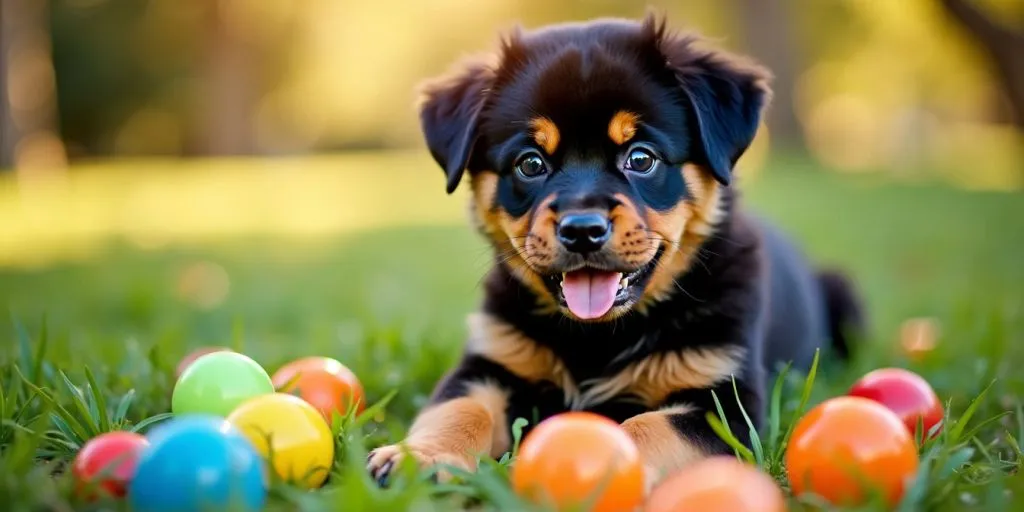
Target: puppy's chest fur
(696,339)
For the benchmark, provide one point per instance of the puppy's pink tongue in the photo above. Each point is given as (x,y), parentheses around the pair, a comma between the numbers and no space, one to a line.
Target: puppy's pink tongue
(590,293)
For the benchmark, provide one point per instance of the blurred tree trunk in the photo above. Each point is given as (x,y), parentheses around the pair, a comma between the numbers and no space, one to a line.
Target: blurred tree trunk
(28,89)
(768,28)
(1004,47)
(229,91)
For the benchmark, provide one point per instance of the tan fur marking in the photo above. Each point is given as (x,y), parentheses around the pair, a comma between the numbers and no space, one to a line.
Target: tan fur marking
(684,229)
(539,240)
(630,238)
(706,202)
(545,134)
(502,343)
(654,378)
(453,433)
(622,127)
(511,236)
(661,447)
(460,427)
(495,400)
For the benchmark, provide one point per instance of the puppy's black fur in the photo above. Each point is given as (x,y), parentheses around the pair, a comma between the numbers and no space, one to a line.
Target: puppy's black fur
(603,153)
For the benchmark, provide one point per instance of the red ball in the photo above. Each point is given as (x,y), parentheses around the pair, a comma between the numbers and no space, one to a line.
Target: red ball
(903,392)
(107,462)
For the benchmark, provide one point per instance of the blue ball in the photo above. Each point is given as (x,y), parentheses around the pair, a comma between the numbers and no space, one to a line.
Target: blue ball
(197,463)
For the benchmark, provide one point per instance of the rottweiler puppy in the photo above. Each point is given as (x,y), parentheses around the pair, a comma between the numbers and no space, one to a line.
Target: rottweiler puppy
(627,280)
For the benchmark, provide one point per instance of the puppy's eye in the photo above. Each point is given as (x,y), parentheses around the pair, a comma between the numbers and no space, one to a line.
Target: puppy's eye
(530,165)
(640,160)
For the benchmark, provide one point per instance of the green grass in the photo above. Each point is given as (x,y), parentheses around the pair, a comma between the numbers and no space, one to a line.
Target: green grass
(90,345)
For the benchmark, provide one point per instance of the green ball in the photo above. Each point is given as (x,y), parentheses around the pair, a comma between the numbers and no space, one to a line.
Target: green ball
(217,383)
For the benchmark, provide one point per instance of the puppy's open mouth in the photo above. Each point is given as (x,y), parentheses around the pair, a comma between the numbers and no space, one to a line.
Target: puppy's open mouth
(591,293)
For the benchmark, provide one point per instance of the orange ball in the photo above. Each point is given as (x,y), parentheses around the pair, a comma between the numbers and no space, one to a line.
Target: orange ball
(579,457)
(717,484)
(196,354)
(848,447)
(324,383)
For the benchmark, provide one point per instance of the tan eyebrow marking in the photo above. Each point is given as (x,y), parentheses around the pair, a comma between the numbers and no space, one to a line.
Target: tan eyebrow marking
(545,133)
(623,126)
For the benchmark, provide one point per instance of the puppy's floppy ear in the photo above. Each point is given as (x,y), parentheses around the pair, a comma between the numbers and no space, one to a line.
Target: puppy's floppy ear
(727,95)
(449,113)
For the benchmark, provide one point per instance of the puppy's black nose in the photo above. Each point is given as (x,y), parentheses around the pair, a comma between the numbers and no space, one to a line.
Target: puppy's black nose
(584,232)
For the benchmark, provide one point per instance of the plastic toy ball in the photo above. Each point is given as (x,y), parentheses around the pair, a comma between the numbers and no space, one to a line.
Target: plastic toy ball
(325,383)
(196,463)
(291,433)
(848,448)
(905,393)
(717,484)
(216,383)
(106,464)
(196,354)
(580,458)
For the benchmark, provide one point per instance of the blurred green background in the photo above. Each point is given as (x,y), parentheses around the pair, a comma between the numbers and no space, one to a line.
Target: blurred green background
(101,99)
(175,168)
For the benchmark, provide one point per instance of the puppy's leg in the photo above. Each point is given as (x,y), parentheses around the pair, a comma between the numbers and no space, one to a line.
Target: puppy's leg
(677,435)
(467,418)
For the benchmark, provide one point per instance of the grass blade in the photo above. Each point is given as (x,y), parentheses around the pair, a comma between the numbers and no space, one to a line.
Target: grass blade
(78,400)
(68,446)
(755,439)
(122,407)
(74,425)
(3,402)
(1012,441)
(723,432)
(1020,421)
(28,361)
(374,409)
(11,424)
(957,431)
(40,355)
(721,414)
(775,409)
(142,425)
(977,428)
(62,426)
(99,400)
(917,491)
(954,462)
(805,397)
(517,434)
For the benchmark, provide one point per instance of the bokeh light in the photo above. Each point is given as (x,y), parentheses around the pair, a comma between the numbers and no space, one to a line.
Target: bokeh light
(203,284)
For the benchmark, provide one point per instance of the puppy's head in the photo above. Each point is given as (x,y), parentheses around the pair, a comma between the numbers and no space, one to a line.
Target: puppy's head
(596,153)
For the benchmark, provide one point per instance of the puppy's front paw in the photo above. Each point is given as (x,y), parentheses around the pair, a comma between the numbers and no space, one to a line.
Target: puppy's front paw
(384,460)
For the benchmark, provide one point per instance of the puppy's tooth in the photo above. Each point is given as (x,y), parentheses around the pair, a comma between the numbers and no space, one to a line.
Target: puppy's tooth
(624,282)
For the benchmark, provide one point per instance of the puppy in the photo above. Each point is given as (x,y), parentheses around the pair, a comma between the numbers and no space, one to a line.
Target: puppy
(626,281)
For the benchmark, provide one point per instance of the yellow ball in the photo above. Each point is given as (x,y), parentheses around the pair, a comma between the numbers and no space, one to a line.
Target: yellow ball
(291,434)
